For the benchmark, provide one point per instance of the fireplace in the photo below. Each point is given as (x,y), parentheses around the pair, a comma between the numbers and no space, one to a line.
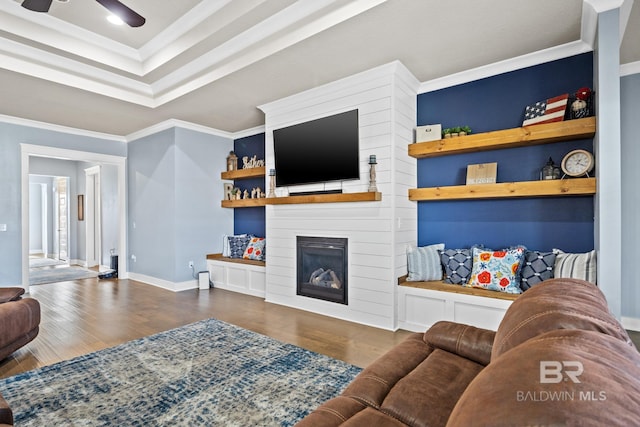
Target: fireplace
(322,268)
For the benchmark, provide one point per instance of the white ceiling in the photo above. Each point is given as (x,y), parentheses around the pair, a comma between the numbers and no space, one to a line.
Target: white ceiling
(212,62)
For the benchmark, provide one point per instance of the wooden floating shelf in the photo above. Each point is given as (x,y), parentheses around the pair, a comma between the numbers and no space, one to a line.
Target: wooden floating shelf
(507,138)
(244,173)
(549,188)
(244,203)
(312,198)
(326,198)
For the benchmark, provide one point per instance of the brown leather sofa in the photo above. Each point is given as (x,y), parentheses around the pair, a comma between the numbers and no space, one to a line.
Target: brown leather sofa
(19,324)
(19,320)
(6,416)
(558,358)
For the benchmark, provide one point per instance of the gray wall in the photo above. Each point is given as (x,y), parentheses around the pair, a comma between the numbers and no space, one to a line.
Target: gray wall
(151,191)
(174,193)
(11,136)
(201,221)
(630,112)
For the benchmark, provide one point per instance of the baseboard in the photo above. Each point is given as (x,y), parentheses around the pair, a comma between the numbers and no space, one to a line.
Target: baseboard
(631,323)
(161,283)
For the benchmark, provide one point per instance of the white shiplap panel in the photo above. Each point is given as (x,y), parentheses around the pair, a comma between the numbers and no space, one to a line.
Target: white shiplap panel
(386,99)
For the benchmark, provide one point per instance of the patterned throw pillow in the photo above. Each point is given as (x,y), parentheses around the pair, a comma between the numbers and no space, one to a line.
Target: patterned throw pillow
(226,248)
(457,265)
(237,245)
(423,263)
(496,270)
(536,267)
(575,266)
(255,249)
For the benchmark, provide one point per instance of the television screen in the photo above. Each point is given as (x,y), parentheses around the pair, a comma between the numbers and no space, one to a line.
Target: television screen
(321,150)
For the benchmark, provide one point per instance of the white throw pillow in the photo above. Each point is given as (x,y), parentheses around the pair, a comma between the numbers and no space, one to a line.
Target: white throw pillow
(575,266)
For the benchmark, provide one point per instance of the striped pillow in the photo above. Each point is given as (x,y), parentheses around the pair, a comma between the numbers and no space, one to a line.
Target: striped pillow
(423,263)
(575,266)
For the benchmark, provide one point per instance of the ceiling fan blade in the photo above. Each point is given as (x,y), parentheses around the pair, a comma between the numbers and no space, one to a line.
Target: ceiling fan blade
(37,5)
(123,12)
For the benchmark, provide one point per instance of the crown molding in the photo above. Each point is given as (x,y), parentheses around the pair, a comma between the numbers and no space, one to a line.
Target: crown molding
(59,128)
(512,64)
(630,69)
(151,130)
(162,48)
(600,6)
(249,132)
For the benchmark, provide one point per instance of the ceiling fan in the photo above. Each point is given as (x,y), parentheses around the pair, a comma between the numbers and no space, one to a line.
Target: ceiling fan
(114,6)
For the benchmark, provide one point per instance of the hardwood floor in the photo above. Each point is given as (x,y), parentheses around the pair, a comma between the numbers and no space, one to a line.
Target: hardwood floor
(83,316)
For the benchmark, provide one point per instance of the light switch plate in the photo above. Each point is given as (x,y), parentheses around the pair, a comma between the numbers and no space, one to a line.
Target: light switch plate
(3,227)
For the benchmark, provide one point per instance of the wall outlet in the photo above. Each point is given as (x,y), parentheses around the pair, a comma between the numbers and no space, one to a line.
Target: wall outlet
(190,264)
(133,258)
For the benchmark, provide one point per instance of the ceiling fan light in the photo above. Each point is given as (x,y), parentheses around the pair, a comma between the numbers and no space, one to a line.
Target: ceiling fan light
(115,20)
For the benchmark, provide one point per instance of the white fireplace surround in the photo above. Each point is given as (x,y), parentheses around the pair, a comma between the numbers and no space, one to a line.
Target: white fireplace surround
(378,232)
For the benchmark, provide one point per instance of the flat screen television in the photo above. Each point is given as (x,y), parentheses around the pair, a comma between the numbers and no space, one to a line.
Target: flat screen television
(321,150)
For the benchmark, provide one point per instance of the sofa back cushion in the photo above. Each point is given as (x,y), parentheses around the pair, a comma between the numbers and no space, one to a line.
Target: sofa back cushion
(556,304)
(562,377)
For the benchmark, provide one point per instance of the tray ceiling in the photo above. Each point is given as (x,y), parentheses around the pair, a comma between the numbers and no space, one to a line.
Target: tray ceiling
(212,62)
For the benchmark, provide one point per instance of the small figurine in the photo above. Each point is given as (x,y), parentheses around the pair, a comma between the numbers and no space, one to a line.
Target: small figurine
(580,107)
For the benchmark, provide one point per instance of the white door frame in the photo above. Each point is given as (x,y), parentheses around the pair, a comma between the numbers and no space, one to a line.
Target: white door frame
(93,218)
(28,150)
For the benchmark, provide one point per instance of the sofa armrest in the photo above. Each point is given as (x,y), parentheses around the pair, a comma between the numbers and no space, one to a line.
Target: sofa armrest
(464,340)
(17,319)
(6,416)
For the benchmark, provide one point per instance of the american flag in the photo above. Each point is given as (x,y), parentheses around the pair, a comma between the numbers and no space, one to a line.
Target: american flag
(551,110)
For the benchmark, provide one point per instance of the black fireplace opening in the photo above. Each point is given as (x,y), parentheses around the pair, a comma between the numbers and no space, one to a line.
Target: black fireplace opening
(322,268)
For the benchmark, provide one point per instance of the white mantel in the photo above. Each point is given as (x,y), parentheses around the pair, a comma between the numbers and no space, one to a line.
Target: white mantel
(378,232)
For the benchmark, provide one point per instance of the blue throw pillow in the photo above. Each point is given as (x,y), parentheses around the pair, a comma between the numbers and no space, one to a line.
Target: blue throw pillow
(457,264)
(536,267)
(237,245)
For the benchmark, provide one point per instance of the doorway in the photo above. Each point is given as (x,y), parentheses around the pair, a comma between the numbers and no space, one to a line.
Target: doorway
(28,150)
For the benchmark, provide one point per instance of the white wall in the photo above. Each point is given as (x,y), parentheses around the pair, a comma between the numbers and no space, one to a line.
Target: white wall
(378,232)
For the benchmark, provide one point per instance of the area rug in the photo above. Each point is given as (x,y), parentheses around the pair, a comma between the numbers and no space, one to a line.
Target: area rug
(35,262)
(208,373)
(38,276)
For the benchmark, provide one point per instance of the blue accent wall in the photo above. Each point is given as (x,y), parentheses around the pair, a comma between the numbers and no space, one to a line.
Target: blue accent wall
(495,103)
(250,220)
